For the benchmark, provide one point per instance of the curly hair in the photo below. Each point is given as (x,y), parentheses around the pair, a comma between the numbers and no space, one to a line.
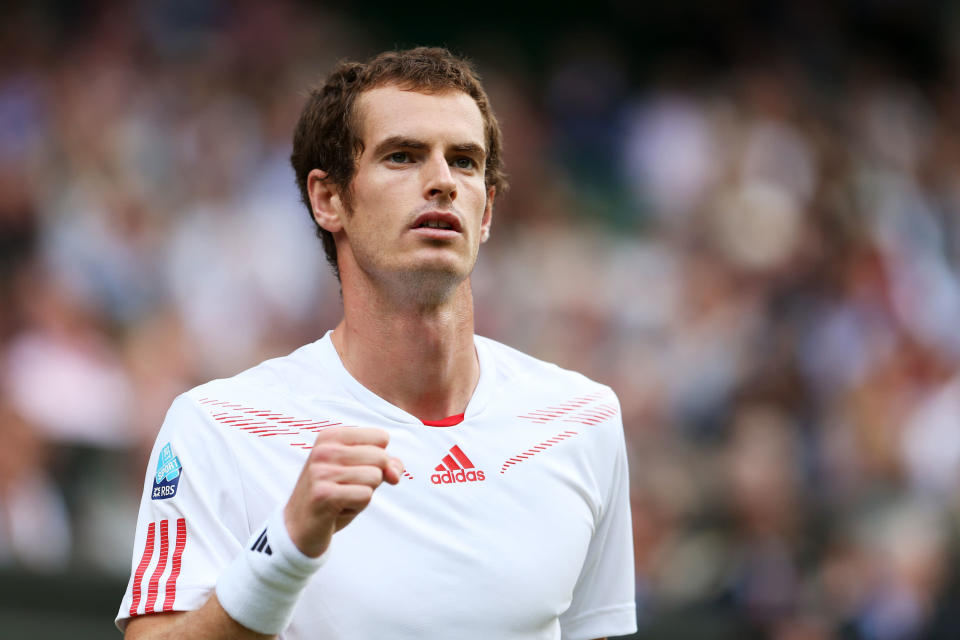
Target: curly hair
(326,136)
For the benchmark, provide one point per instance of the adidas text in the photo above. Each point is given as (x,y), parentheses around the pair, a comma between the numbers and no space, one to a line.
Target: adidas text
(452,477)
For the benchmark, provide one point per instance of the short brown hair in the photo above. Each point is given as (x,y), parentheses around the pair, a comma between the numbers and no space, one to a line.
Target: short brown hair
(326,136)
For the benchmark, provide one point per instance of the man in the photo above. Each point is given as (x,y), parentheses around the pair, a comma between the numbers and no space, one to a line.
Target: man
(508,516)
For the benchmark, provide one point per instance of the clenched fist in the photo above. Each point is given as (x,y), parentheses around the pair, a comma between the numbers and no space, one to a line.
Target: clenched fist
(338,479)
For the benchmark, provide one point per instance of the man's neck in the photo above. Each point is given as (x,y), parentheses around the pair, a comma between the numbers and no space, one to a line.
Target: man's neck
(421,359)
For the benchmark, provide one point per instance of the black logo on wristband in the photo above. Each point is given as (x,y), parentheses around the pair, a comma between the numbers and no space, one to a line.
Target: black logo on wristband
(261,545)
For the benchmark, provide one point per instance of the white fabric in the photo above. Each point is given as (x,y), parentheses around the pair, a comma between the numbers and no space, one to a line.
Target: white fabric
(536,546)
(261,586)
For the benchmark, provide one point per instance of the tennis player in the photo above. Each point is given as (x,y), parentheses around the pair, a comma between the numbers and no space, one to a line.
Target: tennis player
(401,477)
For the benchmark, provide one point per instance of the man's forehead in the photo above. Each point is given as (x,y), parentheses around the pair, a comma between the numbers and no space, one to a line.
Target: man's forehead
(390,111)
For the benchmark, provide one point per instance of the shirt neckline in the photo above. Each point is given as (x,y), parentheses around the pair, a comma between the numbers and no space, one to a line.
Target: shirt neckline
(366,397)
(449,421)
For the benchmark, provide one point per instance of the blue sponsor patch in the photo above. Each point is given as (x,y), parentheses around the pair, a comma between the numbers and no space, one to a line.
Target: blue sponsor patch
(167,480)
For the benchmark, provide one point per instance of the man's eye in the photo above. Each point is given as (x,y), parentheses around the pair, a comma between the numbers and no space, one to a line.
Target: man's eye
(464,163)
(399,157)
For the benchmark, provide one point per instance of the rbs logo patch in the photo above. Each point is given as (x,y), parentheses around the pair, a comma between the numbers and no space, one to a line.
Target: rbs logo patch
(167,479)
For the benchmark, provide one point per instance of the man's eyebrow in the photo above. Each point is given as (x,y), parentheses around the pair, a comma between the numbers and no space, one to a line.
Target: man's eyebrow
(469,148)
(394,142)
(401,142)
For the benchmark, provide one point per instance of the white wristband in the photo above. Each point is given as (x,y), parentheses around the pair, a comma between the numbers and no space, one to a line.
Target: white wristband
(260,588)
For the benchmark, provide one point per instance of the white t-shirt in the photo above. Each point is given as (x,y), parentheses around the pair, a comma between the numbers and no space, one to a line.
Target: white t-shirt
(514,523)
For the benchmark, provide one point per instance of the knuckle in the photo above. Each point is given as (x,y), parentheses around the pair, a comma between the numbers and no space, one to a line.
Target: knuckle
(365,495)
(323,491)
(325,451)
(330,433)
(355,498)
(377,436)
(323,436)
(322,471)
(375,475)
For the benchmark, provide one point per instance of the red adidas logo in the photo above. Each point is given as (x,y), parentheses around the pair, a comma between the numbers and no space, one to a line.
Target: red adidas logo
(456,467)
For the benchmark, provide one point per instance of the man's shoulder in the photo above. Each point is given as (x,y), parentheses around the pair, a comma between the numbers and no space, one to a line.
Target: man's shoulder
(282,394)
(519,369)
(275,375)
(283,380)
(546,399)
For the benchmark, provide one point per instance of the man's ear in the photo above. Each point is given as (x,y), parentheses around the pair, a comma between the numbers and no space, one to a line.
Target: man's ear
(487,215)
(325,201)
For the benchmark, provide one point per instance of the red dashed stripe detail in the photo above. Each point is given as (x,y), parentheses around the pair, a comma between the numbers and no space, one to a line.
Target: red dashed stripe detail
(160,568)
(263,423)
(407,475)
(547,414)
(171,594)
(582,410)
(594,415)
(142,567)
(543,446)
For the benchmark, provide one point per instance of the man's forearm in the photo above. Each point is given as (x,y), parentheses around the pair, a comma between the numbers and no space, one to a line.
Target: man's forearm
(209,622)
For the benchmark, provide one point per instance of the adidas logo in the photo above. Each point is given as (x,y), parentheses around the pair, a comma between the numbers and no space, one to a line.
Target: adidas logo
(456,467)
(261,544)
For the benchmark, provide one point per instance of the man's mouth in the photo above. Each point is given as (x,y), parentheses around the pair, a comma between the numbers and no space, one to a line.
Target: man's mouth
(435,224)
(438,220)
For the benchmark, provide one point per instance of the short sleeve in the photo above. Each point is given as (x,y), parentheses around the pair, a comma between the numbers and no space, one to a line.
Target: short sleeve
(191,522)
(603,598)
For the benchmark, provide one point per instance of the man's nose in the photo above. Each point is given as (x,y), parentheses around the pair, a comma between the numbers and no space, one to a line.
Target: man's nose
(438,179)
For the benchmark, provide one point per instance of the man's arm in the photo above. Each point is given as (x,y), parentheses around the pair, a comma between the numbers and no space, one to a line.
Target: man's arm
(209,621)
(337,482)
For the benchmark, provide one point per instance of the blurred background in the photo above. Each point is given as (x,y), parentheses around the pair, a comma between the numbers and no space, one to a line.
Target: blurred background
(744,218)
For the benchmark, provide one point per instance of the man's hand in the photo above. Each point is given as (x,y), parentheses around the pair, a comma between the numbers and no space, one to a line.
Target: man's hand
(342,471)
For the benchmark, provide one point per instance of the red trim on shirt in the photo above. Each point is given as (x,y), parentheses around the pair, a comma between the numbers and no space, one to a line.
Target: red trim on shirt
(171,594)
(144,563)
(153,588)
(449,421)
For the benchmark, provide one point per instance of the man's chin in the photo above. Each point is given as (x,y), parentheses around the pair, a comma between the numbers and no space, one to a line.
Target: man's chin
(443,274)
(441,264)
(429,274)
(433,280)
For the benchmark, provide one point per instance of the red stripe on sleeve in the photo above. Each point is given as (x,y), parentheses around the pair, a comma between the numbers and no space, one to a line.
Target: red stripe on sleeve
(175,568)
(142,567)
(461,457)
(161,567)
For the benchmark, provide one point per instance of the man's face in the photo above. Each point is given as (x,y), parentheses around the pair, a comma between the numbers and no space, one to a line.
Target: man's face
(419,207)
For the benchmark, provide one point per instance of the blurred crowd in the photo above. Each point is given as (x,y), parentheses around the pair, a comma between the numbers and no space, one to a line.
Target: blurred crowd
(762,263)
